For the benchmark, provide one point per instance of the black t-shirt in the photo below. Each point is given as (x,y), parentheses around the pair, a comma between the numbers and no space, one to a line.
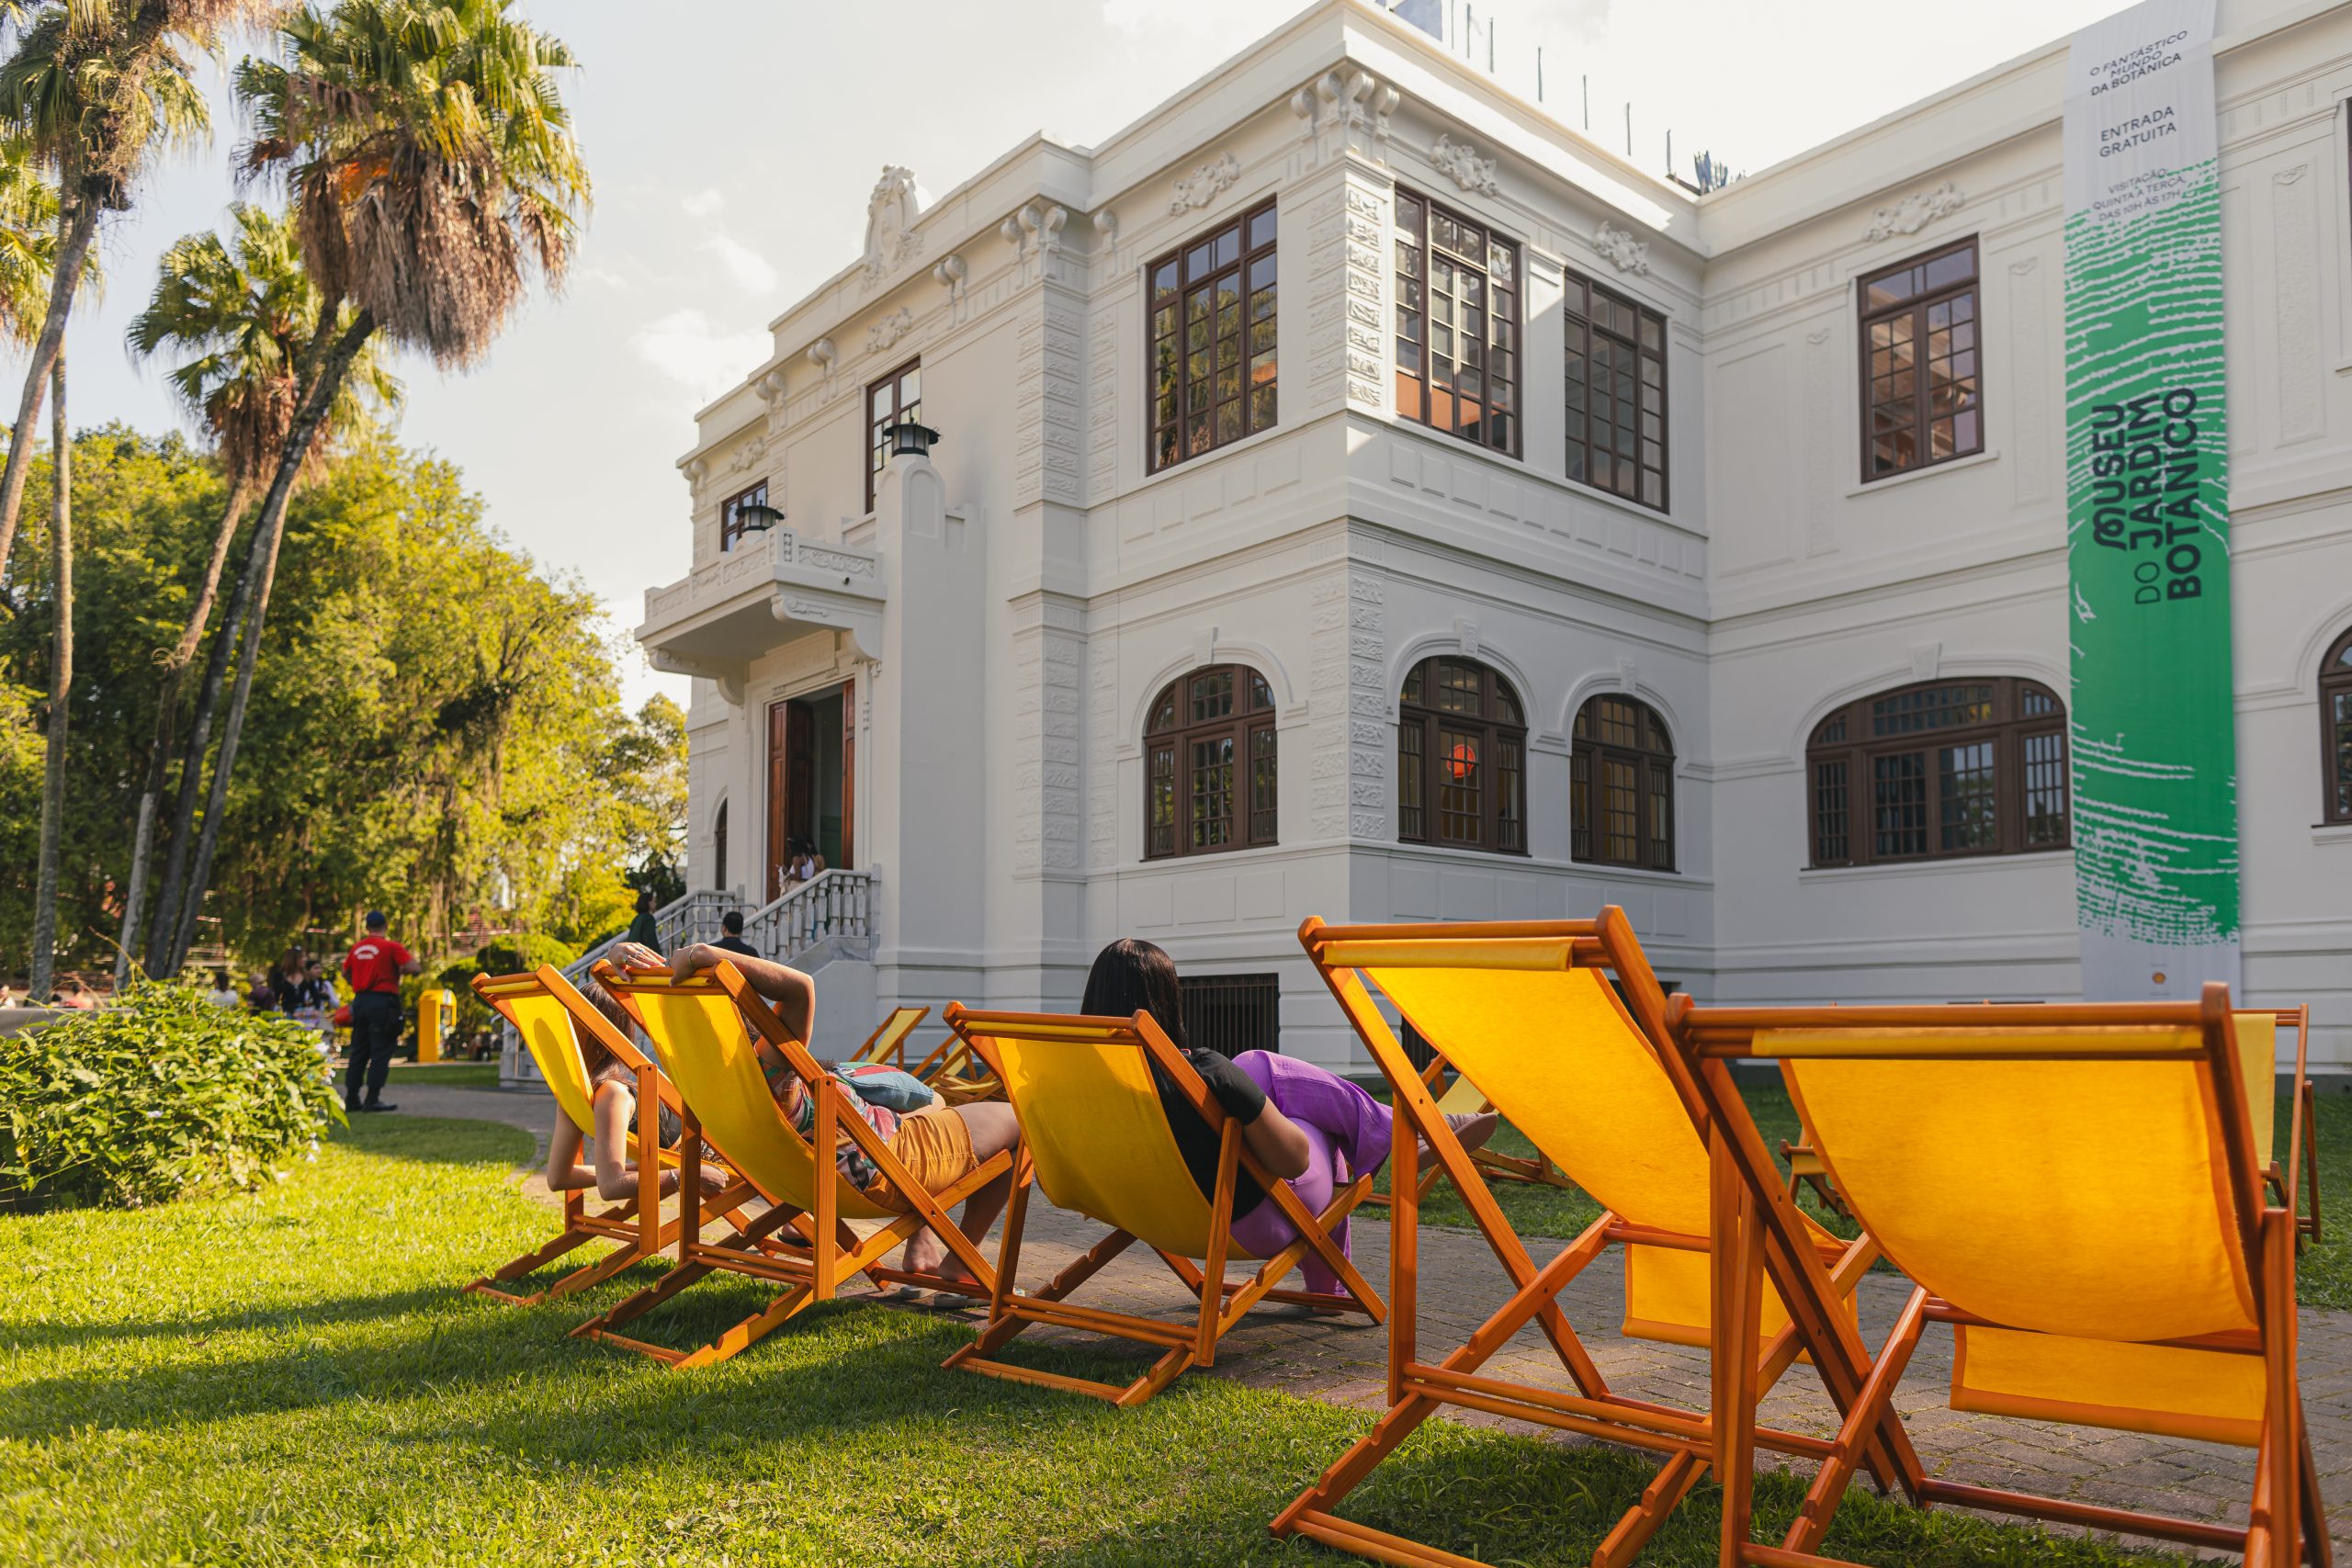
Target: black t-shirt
(1239,1093)
(736,944)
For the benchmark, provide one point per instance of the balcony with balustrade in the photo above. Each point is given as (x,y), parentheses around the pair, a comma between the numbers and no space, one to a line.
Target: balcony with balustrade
(772,587)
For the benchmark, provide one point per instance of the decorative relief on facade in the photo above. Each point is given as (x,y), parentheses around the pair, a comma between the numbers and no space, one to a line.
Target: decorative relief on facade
(890,215)
(1353,103)
(886,333)
(1103,413)
(1916,211)
(822,354)
(1050,744)
(1102,770)
(2295,255)
(1046,440)
(1369,737)
(1623,250)
(1328,689)
(1106,229)
(950,275)
(1460,162)
(1203,185)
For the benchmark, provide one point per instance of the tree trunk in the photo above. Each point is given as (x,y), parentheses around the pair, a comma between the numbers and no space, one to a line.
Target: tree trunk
(60,688)
(71,255)
(167,696)
(159,961)
(268,530)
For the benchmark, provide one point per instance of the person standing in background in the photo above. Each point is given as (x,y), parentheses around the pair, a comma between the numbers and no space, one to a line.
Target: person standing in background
(730,925)
(374,967)
(642,931)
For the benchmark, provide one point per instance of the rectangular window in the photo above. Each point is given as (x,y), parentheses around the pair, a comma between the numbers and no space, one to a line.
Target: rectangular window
(1829,812)
(1507,835)
(1459,813)
(1616,397)
(1964,777)
(1212,793)
(1661,823)
(1212,340)
(897,398)
(1900,786)
(1579,806)
(2045,789)
(1162,827)
(1261,784)
(1921,385)
(1457,324)
(1409,782)
(731,520)
(1620,812)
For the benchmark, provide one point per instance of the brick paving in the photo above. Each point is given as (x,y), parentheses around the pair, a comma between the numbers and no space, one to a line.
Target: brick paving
(1343,1361)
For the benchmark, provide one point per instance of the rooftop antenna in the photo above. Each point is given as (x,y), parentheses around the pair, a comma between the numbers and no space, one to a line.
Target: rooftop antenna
(1588,104)
(1490,47)
(1629,127)
(1539,73)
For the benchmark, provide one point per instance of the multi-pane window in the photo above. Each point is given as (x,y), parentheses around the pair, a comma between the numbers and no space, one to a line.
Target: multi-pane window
(2335,728)
(897,398)
(1940,770)
(1460,758)
(1212,332)
(1616,400)
(1921,378)
(1209,777)
(1621,786)
(1457,324)
(730,513)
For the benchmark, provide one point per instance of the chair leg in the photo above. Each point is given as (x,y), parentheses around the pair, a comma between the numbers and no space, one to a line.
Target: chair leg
(530,1262)
(697,1266)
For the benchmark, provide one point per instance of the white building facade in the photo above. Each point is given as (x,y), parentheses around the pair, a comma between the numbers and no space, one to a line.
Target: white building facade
(1360,496)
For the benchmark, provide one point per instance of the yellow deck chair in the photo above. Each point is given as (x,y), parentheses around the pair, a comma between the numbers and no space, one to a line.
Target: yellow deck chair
(889,1038)
(549,1014)
(1526,1011)
(2075,1191)
(705,1028)
(1095,1134)
(1462,1098)
(957,1074)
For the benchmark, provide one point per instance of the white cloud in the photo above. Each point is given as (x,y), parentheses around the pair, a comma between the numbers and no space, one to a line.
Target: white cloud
(703,203)
(746,265)
(685,346)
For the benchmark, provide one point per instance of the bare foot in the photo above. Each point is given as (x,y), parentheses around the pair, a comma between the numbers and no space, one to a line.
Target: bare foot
(924,1253)
(1471,1131)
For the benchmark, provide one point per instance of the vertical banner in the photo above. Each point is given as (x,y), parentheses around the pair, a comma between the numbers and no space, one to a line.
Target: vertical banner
(2154,754)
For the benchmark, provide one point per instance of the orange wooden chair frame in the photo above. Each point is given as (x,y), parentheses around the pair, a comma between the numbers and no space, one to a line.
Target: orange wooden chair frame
(957,1074)
(1755,1215)
(635,1223)
(1222,1304)
(1534,1172)
(889,1038)
(1810,1283)
(834,1253)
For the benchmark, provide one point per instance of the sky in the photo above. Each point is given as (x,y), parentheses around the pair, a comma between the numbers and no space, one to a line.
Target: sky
(734,149)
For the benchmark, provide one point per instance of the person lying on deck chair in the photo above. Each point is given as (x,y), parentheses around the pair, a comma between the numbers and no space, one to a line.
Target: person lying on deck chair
(614,1088)
(939,1144)
(1304,1124)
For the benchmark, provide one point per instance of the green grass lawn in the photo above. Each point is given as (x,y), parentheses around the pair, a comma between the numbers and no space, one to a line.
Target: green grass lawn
(2323,1271)
(292,1378)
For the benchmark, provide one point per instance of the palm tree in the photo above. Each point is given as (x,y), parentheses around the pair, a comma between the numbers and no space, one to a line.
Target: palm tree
(433,172)
(244,311)
(97,87)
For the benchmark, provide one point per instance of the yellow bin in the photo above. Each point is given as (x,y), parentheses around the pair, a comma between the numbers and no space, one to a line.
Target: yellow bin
(434,1009)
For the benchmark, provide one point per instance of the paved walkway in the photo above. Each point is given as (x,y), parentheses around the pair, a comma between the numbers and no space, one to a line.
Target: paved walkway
(1344,1362)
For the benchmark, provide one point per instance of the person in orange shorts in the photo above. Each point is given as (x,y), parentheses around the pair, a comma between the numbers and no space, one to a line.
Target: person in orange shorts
(939,1144)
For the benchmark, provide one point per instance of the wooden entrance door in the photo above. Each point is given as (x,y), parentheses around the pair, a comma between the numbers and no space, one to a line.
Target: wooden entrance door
(792,762)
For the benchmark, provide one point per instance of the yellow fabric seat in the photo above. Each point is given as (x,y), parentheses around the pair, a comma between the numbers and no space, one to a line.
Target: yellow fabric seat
(1096,1135)
(1527,1013)
(710,1028)
(888,1043)
(2077,1192)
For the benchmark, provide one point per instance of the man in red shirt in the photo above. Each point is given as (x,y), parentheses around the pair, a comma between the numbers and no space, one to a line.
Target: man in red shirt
(374,967)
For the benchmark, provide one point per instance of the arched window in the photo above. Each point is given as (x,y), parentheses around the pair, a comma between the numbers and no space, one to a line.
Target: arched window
(1208,777)
(1938,772)
(1621,786)
(2336,727)
(718,848)
(1460,758)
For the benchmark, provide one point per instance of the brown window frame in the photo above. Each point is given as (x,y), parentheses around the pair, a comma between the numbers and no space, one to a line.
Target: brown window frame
(878,445)
(1919,306)
(1413,260)
(1591,327)
(1849,740)
(1499,728)
(1593,747)
(1175,368)
(730,525)
(2335,732)
(1171,732)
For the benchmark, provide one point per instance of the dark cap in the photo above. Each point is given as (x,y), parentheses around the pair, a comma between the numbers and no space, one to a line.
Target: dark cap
(376,920)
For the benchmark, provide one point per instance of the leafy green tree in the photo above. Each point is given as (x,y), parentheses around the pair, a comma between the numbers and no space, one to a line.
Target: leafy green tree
(244,313)
(96,89)
(647,760)
(433,171)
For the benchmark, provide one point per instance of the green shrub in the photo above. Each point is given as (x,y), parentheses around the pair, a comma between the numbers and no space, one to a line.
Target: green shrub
(166,1094)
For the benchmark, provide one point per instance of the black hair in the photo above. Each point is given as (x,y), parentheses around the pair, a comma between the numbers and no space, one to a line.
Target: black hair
(645,901)
(732,922)
(1132,975)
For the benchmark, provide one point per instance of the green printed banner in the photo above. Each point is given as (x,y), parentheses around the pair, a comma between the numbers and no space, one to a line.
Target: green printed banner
(2154,755)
